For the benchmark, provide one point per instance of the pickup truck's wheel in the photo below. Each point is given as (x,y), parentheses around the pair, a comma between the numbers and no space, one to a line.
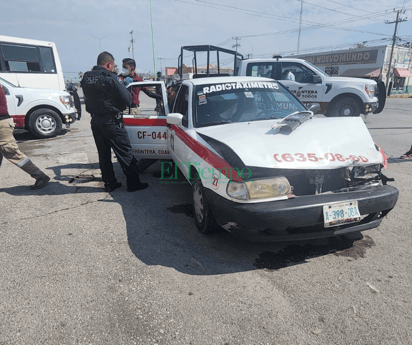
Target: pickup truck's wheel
(45,123)
(345,107)
(204,220)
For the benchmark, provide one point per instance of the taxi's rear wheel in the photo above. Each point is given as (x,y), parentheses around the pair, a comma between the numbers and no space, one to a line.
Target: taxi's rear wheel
(204,220)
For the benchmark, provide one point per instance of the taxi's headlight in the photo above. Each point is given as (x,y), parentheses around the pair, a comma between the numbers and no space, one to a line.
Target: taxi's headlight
(65,100)
(237,190)
(366,172)
(370,90)
(259,189)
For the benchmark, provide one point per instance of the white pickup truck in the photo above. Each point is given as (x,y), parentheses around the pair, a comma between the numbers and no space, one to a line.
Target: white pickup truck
(41,111)
(261,165)
(337,96)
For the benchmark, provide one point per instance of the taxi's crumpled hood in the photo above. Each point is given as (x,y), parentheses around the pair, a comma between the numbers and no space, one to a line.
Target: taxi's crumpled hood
(257,144)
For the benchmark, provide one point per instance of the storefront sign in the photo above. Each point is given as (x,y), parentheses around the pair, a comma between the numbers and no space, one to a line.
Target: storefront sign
(368,56)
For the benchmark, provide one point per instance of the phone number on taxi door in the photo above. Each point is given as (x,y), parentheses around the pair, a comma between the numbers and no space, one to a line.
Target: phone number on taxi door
(312,157)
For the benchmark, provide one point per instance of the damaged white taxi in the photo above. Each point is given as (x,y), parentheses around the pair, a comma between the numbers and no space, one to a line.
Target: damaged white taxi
(261,165)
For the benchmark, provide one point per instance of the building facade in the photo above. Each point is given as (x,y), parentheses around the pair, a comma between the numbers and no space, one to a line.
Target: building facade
(368,62)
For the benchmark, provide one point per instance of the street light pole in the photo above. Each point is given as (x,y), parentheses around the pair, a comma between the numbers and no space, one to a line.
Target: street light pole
(300,25)
(100,48)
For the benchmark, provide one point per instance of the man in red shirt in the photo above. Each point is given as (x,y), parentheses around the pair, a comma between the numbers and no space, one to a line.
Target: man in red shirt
(10,150)
(129,76)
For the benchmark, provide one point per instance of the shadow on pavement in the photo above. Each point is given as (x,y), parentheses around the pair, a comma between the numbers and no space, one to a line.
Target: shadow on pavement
(161,231)
(22,135)
(56,188)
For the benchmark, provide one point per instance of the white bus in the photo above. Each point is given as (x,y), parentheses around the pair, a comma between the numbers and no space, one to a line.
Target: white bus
(30,63)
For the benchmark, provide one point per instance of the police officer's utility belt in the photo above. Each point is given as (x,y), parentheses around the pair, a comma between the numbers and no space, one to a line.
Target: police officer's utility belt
(117,116)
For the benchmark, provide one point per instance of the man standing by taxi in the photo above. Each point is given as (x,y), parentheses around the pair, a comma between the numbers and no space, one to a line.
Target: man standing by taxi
(10,150)
(128,76)
(106,97)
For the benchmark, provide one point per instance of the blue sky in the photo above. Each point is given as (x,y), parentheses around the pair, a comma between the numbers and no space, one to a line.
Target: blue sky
(72,25)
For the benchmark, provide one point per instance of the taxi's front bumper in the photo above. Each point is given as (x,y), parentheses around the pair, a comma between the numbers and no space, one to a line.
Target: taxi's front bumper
(301,217)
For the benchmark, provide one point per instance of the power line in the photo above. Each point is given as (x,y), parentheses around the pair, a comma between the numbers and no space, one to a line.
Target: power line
(330,25)
(329,9)
(259,14)
(338,3)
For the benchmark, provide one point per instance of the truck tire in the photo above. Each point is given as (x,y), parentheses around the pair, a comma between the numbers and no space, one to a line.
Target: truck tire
(345,107)
(204,220)
(45,123)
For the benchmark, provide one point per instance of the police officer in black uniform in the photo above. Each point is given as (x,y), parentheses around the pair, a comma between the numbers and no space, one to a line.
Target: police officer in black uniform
(106,97)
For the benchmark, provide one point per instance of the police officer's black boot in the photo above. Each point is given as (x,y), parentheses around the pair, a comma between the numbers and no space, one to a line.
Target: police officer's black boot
(134,184)
(110,187)
(133,178)
(41,178)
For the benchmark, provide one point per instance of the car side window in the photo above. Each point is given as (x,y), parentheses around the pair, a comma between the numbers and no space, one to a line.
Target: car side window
(182,104)
(297,72)
(260,69)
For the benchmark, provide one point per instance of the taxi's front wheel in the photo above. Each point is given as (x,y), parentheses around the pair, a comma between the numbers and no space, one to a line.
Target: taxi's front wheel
(204,220)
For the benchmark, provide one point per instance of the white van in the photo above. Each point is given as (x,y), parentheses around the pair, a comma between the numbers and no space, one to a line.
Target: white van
(30,63)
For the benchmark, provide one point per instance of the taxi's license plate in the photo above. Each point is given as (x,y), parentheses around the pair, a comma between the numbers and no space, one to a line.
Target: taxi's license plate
(340,213)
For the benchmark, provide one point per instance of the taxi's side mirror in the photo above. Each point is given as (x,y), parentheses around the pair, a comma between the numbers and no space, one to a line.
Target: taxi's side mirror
(174,119)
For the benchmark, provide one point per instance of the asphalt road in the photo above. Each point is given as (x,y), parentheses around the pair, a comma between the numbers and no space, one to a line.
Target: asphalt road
(81,266)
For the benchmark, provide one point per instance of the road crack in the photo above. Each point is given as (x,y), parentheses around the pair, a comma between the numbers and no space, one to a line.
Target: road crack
(57,211)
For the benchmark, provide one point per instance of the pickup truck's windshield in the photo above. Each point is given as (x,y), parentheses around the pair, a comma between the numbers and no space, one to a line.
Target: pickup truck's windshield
(242,102)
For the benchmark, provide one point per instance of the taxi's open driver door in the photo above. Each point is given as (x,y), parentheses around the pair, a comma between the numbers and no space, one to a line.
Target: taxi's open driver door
(147,128)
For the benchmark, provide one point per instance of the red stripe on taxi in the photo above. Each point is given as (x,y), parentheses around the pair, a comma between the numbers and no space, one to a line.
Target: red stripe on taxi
(144,122)
(210,157)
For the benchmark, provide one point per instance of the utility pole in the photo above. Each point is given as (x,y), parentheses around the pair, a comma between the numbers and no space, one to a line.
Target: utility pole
(398,12)
(236,45)
(132,41)
(300,25)
(409,66)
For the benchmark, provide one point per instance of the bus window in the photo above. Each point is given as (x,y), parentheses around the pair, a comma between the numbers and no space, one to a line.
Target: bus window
(47,60)
(20,58)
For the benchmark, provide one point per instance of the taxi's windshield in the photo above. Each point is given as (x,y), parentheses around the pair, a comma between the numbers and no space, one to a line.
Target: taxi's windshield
(243,102)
